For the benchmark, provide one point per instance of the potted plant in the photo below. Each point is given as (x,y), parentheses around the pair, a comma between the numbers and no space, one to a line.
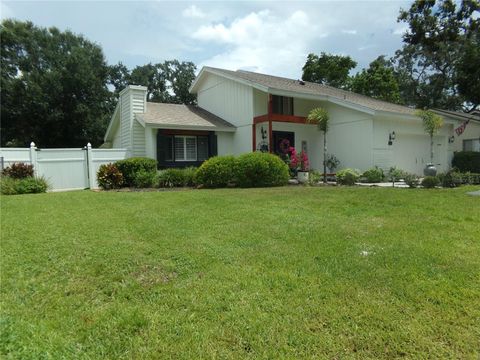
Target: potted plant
(431,123)
(302,167)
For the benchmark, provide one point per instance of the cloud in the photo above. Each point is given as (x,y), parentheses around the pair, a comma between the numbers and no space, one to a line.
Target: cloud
(401,31)
(349,32)
(193,12)
(261,41)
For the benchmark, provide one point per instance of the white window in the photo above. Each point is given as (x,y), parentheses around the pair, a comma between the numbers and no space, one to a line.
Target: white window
(185,148)
(471,145)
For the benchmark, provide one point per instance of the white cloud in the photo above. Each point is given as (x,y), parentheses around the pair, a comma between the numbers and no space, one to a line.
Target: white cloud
(193,12)
(349,32)
(261,41)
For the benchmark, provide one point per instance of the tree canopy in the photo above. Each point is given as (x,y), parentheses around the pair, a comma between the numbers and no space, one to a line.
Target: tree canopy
(166,82)
(58,91)
(328,69)
(53,87)
(439,59)
(378,81)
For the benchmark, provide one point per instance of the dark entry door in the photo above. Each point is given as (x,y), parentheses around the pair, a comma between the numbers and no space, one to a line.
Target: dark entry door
(278,137)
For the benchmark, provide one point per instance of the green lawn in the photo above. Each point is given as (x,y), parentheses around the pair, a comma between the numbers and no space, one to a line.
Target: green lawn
(292,272)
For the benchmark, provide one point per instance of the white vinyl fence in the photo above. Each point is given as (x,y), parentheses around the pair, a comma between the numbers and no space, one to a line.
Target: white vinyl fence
(65,169)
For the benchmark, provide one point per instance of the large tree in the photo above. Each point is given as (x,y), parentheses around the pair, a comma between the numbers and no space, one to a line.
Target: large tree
(378,81)
(53,87)
(440,50)
(166,82)
(328,69)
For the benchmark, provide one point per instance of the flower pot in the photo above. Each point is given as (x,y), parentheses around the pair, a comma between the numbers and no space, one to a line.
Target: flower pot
(430,170)
(302,176)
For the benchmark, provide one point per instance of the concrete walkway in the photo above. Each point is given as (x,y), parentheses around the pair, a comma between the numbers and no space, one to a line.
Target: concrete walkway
(474,193)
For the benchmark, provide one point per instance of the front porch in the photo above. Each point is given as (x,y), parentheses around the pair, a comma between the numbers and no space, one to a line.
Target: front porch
(269,130)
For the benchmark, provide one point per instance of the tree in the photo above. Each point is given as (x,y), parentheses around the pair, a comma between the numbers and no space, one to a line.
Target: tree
(435,52)
(378,81)
(53,87)
(166,82)
(320,117)
(328,69)
(431,124)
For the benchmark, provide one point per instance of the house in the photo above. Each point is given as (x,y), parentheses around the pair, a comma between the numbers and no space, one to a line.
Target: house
(242,111)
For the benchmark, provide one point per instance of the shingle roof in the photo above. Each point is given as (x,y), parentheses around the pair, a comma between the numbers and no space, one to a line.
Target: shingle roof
(309,88)
(179,115)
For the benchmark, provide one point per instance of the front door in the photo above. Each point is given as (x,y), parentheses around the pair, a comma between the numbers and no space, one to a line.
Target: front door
(279,141)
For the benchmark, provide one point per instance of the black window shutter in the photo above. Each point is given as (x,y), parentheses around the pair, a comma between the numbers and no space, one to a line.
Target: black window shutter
(162,148)
(212,144)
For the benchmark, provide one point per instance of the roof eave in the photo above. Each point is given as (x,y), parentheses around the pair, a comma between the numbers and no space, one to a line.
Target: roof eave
(190,127)
(193,88)
(111,123)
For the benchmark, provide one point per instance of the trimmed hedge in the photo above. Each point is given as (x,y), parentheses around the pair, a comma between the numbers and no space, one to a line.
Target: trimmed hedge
(175,177)
(259,169)
(467,161)
(130,167)
(216,172)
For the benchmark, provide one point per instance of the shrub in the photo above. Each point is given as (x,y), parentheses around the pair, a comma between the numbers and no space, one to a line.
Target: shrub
(395,174)
(18,171)
(430,182)
(470,178)
(109,177)
(259,169)
(373,175)
(171,178)
(450,179)
(411,180)
(28,185)
(467,161)
(314,177)
(144,179)
(189,176)
(348,176)
(216,172)
(31,185)
(130,167)
(7,185)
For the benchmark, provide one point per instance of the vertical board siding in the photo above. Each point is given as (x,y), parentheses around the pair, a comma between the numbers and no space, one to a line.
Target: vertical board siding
(227,99)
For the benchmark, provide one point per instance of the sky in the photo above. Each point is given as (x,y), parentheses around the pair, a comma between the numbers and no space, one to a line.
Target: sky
(272,37)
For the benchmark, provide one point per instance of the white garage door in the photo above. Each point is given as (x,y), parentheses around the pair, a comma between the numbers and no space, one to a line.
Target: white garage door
(412,152)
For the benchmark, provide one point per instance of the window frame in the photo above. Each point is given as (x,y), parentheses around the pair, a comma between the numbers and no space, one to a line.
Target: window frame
(184,138)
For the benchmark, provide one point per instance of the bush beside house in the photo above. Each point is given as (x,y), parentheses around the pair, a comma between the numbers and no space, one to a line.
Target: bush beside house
(467,161)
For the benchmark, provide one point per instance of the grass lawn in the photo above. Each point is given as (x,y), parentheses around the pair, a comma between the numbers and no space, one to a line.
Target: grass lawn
(263,273)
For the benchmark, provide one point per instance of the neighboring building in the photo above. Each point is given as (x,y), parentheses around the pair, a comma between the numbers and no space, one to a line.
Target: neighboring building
(242,111)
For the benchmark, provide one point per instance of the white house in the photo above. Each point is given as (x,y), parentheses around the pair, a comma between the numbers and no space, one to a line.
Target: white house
(242,111)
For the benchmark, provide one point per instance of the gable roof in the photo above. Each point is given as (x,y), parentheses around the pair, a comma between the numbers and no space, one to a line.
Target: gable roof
(273,84)
(179,116)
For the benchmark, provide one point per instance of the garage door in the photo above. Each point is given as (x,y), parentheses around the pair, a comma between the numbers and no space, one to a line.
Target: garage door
(412,152)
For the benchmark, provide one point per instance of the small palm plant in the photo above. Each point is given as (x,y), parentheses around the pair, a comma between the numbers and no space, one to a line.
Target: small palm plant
(432,123)
(320,117)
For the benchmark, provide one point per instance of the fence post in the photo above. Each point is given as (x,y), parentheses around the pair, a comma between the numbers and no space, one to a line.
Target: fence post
(33,158)
(90,167)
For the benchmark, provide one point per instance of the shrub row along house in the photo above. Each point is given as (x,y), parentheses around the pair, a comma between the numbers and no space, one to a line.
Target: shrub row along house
(242,111)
